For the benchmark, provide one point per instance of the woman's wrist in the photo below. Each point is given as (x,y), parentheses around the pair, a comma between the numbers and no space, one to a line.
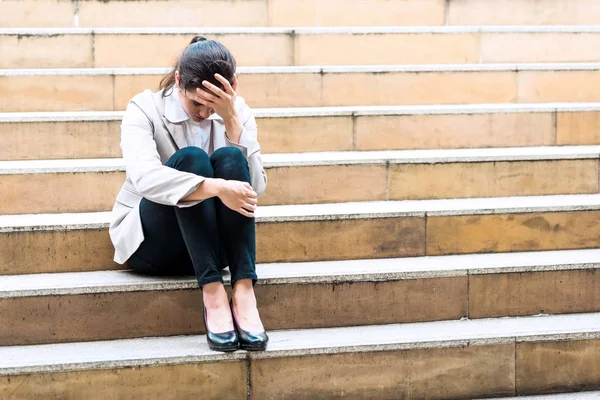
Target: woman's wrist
(213,187)
(233,128)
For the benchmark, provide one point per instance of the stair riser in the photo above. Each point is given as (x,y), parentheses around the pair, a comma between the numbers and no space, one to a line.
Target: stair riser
(457,373)
(279,49)
(68,318)
(96,191)
(113,92)
(191,13)
(532,293)
(431,373)
(85,317)
(194,13)
(523,12)
(503,369)
(88,250)
(559,366)
(184,381)
(100,139)
(505,232)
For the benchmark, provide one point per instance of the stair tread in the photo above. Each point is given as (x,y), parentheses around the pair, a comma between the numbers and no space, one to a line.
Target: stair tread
(562,396)
(315,212)
(71,283)
(331,158)
(162,350)
(90,116)
(349,30)
(319,69)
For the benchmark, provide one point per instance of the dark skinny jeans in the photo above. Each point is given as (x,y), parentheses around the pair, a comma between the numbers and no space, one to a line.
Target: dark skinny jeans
(202,239)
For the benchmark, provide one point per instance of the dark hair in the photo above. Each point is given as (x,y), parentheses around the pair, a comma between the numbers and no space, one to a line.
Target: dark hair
(200,61)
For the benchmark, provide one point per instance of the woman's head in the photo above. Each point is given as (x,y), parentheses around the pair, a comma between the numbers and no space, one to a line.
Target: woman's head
(199,62)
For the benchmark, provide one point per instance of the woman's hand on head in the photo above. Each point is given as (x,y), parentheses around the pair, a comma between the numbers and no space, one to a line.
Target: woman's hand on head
(220,100)
(239,196)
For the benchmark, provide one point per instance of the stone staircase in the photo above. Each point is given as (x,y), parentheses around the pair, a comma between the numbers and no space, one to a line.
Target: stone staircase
(431,228)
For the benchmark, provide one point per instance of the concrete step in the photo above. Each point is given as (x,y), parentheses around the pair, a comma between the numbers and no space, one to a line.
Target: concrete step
(433,360)
(82,306)
(67,135)
(205,13)
(522,12)
(105,89)
(193,13)
(158,47)
(311,178)
(562,396)
(340,231)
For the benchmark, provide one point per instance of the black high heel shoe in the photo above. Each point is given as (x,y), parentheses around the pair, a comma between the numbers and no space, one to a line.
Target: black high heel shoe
(249,341)
(226,341)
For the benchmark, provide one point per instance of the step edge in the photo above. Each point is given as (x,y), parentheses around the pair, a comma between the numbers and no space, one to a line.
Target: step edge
(318,69)
(558,396)
(332,211)
(580,327)
(322,159)
(314,112)
(398,273)
(300,30)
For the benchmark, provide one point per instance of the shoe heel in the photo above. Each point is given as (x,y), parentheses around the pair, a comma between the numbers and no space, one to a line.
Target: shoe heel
(225,341)
(249,341)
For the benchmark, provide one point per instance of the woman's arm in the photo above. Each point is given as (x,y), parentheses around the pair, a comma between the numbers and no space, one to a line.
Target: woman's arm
(150,178)
(248,144)
(210,187)
(238,196)
(161,184)
(240,125)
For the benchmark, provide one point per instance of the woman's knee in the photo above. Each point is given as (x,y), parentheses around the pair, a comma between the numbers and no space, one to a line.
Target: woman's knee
(230,163)
(227,153)
(192,159)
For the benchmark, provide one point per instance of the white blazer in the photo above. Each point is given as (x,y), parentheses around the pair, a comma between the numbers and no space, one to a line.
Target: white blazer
(151,132)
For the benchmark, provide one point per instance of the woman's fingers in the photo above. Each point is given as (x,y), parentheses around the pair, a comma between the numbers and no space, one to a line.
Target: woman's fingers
(214,89)
(249,188)
(226,85)
(251,200)
(246,213)
(250,207)
(204,96)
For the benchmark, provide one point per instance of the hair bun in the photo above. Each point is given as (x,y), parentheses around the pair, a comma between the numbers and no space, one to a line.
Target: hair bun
(198,38)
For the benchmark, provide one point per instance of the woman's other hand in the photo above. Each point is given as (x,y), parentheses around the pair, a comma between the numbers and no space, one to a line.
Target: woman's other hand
(240,197)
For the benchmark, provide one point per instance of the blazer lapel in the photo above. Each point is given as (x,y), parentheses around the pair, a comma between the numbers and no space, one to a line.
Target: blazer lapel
(177,132)
(173,116)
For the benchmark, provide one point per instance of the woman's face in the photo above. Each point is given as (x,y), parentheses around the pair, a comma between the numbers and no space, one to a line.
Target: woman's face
(197,112)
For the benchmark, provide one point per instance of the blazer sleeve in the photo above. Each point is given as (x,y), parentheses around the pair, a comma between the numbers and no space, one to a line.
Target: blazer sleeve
(150,178)
(250,148)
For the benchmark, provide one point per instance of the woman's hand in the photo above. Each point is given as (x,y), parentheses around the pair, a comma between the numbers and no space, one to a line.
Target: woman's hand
(240,197)
(222,101)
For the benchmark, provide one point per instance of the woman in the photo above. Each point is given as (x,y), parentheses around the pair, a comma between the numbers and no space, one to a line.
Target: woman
(194,174)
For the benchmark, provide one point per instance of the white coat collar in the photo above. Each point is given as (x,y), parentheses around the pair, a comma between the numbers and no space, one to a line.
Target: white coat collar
(174,111)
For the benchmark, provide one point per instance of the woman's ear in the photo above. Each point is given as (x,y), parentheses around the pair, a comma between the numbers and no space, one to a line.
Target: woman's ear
(177,78)
(235,83)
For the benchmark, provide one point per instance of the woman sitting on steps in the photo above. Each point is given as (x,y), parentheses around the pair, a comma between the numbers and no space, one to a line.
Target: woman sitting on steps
(194,173)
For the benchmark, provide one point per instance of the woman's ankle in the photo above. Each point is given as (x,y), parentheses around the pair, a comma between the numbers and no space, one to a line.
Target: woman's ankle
(214,295)
(243,291)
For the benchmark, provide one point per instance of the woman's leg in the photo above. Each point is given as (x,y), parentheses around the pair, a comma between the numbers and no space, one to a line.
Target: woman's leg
(237,232)
(185,240)
(238,237)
